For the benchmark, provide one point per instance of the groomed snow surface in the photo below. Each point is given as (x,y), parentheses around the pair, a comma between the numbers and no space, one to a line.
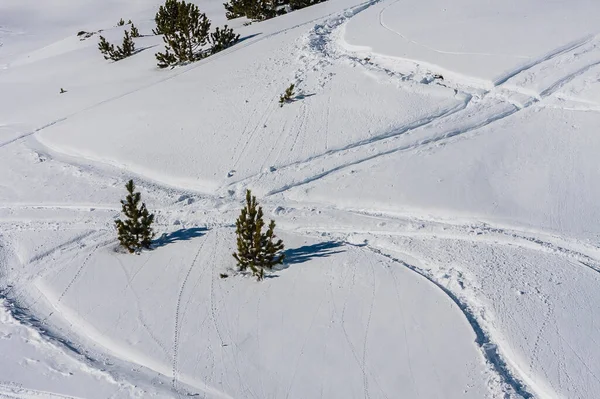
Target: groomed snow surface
(434,181)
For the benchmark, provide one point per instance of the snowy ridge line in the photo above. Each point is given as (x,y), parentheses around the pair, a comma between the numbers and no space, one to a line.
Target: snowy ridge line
(550,55)
(383,24)
(25,135)
(487,347)
(25,318)
(19,392)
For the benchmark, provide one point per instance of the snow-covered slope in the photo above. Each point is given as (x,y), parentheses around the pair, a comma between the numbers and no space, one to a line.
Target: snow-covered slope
(434,182)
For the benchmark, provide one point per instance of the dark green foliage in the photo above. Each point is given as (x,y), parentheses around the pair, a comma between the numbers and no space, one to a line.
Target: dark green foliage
(186,34)
(256,250)
(128,47)
(121,22)
(298,4)
(62,91)
(222,39)
(134,31)
(256,10)
(166,18)
(287,96)
(185,31)
(107,49)
(135,232)
(125,50)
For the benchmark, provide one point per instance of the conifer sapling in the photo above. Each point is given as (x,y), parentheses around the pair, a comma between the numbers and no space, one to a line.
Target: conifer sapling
(135,231)
(287,96)
(134,31)
(256,250)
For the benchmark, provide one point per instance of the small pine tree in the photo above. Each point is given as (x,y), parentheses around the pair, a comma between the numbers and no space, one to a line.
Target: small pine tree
(129,22)
(134,31)
(185,31)
(135,232)
(107,49)
(125,50)
(256,250)
(121,22)
(128,47)
(222,39)
(287,96)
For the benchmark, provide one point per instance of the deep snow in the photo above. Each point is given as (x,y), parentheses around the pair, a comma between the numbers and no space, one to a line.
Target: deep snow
(434,183)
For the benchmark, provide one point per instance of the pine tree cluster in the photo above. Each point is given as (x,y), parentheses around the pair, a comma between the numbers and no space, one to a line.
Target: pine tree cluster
(135,232)
(186,33)
(256,250)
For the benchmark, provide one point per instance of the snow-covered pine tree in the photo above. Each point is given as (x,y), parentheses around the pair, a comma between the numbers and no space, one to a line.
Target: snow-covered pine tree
(256,250)
(222,39)
(185,31)
(121,22)
(135,232)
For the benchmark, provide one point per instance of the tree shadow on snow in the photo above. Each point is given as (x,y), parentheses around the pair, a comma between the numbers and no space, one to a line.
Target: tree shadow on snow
(305,253)
(179,235)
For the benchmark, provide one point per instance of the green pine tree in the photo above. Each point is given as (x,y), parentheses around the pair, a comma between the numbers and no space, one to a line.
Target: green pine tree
(166,18)
(255,10)
(107,49)
(222,39)
(134,31)
(185,30)
(135,232)
(256,250)
(121,22)
(127,49)
(298,4)
(287,96)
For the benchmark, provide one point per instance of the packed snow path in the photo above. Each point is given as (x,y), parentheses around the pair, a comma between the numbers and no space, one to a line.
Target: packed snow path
(398,161)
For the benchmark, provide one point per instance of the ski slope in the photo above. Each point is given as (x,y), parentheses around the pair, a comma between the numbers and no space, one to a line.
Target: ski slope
(433,181)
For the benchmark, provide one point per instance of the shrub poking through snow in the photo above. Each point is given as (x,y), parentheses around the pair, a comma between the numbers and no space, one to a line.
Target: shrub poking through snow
(287,96)
(121,22)
(135,232)
(222,39)
(125,50)
(256,250)
(187,34)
